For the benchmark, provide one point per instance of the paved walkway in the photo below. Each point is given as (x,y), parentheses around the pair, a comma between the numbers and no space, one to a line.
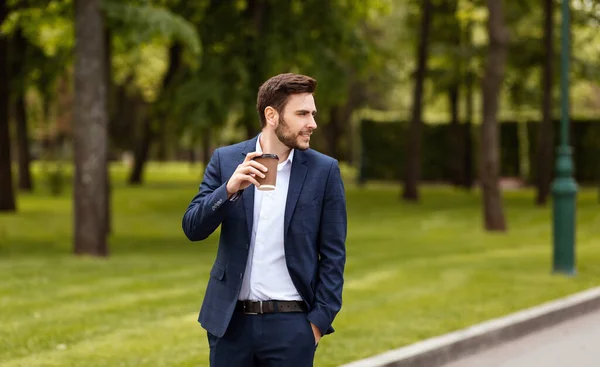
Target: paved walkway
(573,343)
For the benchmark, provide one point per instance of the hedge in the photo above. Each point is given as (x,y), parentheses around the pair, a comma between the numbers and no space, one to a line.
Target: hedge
(384,143)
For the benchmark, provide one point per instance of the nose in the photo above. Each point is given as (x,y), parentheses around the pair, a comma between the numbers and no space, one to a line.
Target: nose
(313,124)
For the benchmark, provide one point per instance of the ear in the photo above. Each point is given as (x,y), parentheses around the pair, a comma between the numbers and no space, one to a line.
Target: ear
(272,116)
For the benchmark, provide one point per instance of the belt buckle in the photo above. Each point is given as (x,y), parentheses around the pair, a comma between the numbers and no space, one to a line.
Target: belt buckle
(253,313)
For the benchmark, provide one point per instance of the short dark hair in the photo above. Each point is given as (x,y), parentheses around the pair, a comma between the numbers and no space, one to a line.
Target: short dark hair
(276,91)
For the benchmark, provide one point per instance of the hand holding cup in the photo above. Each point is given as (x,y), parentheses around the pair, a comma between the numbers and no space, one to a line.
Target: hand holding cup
(246,174)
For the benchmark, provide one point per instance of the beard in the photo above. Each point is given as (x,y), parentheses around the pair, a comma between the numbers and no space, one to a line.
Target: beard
(285,136)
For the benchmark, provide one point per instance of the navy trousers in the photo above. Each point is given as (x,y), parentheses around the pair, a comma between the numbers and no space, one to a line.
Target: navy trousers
(267,340)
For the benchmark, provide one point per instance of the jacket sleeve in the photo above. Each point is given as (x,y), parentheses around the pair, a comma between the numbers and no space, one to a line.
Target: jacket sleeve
(332,253)
(209,207)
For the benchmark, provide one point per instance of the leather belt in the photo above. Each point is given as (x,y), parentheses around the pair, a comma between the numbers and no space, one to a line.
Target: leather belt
(262,307)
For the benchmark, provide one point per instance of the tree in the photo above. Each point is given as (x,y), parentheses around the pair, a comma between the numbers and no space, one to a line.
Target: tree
(203,98)
(90,130)
(447,39)
(545,138)
(490,148)
(256,18)
(133,25)
(142,149)
(7,195)
(412,171)
(467,159)
(19,71)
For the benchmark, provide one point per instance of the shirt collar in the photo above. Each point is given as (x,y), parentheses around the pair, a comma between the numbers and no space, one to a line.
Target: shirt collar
(289,159)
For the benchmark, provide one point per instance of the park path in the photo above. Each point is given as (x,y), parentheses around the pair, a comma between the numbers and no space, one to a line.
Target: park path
(573,343)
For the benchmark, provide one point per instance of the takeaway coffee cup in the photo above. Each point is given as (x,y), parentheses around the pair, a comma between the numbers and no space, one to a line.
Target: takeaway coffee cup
(270,161)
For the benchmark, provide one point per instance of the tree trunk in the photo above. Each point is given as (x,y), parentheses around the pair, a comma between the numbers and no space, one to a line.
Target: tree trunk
(90,130)
(357,97)
(455,156)
(7,193)
(147,136)
(142,149)
(20,110)
(469,112)
(333,132)
(206,151)
(175,59)
(412,173)
(546,133)
(192,156)
(468,135)
(338,131)
(256,15)
(490,153)
(110,94)
(50,151)
(25,181)
(122,129)
(161,142)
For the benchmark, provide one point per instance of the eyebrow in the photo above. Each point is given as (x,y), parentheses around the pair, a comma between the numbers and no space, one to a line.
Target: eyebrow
(307,111)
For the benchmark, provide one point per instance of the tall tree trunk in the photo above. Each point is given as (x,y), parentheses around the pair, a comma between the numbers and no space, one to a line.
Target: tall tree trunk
(25,180)
(469,112)
(110,93)
(456,130)
(122,129)
(192,156)
(90,130)
(333,131)
(468,135)
(206,151)
(546,133)
(20,110)
(490,146)
(162,135)
(142,148)
(50,152)
(7,193)
(256,15)
(147,137)
(455,156)
(161,143)
(339,129)
(357,97)
(412,173)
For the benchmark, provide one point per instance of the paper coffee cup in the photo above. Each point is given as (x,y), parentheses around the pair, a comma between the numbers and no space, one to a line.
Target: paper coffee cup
(270,181)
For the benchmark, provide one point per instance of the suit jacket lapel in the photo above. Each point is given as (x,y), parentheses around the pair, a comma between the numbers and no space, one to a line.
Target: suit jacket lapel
(297,177)
(248,198)
(248,194)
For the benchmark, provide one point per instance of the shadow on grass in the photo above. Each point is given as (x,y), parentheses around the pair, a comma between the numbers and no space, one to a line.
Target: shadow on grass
(121,245)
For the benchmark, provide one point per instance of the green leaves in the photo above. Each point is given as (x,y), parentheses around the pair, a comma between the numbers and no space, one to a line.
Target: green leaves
(46,26)
(143,23)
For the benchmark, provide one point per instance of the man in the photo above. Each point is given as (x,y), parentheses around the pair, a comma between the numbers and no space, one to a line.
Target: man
(276,284)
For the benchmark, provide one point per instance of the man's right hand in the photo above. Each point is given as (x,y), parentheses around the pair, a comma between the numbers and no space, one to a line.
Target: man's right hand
(245,173)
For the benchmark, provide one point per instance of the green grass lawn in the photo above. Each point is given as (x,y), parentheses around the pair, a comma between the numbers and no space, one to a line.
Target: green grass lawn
(413,272)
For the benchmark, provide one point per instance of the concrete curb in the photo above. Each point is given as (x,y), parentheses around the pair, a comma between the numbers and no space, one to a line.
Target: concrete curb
(450,347)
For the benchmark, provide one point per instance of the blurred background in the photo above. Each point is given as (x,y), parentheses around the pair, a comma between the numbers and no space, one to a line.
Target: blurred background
(444,115)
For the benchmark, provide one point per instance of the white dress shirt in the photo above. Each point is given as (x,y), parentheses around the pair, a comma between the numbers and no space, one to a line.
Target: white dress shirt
(267,276)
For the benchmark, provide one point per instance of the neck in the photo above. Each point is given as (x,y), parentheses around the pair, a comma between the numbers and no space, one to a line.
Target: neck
(271,144)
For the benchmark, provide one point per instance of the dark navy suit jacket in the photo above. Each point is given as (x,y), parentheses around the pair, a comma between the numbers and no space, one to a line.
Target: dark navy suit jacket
(315,227)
